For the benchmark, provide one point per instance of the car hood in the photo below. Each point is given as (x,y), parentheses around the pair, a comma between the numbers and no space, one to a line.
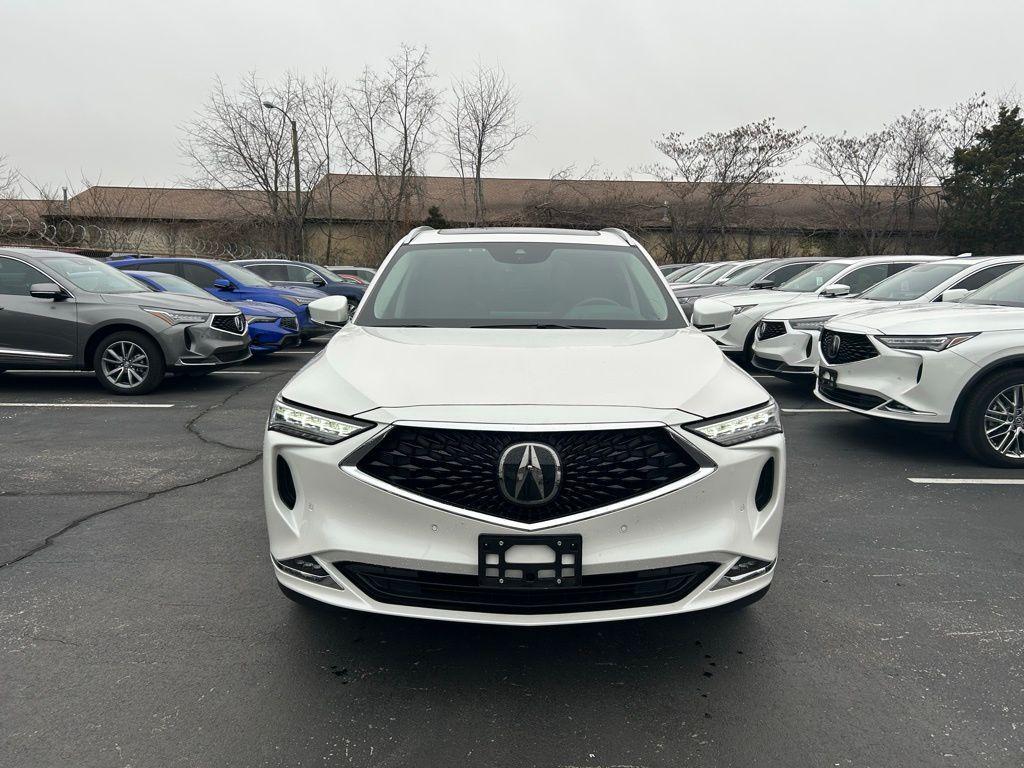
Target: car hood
(250,308)
(168,300)
(610,375)
(933,319)
(696,291)
(828,308)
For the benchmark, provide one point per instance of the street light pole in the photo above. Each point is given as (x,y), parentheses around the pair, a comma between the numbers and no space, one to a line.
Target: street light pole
(295,159)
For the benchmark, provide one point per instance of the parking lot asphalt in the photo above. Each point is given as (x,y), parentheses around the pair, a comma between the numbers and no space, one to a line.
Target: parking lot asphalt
(140,624)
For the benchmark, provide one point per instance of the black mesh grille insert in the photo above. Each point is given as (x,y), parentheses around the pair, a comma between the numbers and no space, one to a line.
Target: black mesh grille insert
(291,323)
(769,329)
(229,323)
(853,399)
(852,347)
(460,467)
(461,592)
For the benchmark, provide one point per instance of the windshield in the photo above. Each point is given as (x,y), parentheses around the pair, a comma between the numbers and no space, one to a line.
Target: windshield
(913,283)
(812,279)
(243,277)
(682,272)
(748,274)
(1007,291)
(712,274)
(325,273)
(91,275)
(519,285)
(174,284)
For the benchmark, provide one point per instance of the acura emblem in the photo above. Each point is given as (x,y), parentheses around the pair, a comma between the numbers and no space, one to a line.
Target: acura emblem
(834,343)
(239,322)
(529,473)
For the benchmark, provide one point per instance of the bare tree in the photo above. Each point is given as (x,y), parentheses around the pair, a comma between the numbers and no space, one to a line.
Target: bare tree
(235,142)
(386,134)
(712,182)
(480,127)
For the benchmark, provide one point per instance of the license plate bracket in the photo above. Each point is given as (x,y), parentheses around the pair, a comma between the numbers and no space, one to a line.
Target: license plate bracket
(564,569)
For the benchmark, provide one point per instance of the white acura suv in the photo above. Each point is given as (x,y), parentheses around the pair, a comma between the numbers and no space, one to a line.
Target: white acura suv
(958,366)
(786,341)
(519,427)
(731,320)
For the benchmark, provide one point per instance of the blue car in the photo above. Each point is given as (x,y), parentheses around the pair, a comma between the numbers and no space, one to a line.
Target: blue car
(301,274)
(232,284)
(270,327)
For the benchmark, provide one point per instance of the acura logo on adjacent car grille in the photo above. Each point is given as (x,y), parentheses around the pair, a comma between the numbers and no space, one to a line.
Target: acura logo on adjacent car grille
(834,342)
(529,473)
(239,323)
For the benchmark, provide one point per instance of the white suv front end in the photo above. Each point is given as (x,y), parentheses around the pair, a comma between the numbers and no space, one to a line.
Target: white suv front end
(535,449)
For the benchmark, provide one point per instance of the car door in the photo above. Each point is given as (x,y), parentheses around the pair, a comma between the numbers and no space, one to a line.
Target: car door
(274,273)
(42,332)
(204,277)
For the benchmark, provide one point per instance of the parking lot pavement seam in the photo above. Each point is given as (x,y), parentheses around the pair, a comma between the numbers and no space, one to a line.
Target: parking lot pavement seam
(190,426)
(52,538)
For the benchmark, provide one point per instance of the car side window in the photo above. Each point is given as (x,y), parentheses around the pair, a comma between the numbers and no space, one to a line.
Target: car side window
(783,273)
(198,274)
(16,278)
(984,276)
(299,274)
(899,267)
(165,267)
(270,271)
(861,279)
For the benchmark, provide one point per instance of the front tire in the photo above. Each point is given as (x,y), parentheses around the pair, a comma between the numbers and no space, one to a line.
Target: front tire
(129,363)
(991,426)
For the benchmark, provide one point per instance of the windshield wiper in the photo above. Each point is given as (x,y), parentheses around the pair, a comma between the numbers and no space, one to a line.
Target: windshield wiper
(539,325)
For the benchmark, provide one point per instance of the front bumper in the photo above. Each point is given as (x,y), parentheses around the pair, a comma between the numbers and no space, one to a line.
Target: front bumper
(793,352)
(733,338)
(201,346)
(341,516)
(918,387)
(269,337)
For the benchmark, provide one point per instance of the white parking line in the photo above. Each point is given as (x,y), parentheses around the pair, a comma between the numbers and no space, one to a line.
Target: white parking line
(965,481)
(813,410)
(86,405)
(236,373)
(294,352)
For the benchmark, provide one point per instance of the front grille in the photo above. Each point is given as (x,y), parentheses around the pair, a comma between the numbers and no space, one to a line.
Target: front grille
(460,467)
(769,329)
(462,592)
(290,323)
(852,347)
(229,323)
(853,399)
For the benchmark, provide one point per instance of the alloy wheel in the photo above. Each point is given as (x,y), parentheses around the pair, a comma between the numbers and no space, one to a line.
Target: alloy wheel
(1004,422)
(125,364)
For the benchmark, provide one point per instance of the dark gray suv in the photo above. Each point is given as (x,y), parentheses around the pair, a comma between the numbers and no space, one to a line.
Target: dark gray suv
(63,311)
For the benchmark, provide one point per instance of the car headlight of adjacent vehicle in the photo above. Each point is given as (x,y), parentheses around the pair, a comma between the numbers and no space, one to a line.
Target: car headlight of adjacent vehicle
(262,319)
(298,300)
(174,317)
(810,323)
(738,428)
(313,424)
(935,343)
(742,308)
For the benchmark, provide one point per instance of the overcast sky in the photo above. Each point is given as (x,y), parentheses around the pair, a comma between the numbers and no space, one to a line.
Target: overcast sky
(100,88)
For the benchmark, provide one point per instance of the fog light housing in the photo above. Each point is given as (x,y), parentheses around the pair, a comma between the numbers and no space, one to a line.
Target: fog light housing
(304,567)
(745,569)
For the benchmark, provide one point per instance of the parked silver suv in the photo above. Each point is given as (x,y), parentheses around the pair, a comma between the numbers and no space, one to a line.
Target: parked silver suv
(63,311)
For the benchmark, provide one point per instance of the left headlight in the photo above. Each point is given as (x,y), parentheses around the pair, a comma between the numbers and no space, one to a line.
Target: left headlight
(930,343)
(810,323)
(262,319)
(740,427)
(313,424)
(173,317)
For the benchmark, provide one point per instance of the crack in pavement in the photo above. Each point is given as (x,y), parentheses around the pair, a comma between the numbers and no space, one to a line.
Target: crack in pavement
(190,427)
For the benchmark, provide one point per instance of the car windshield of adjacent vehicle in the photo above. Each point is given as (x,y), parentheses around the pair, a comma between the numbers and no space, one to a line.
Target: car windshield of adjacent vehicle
(91,275)
(519,285)
(325,273)
(812,279)
(175,284)
(748,274)
(913,283)
(243,277)
(1006,291)
(682,272)
(712,274)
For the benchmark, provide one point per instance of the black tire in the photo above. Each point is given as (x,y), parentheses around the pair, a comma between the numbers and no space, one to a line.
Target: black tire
(300,599)
(129,363)
(971,428)
(748,350)
(743,602)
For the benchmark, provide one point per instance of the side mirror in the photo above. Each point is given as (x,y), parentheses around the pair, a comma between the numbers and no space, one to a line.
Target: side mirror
(712,312)
(223,285)
(836,290)
(319,282)
(762,285)
(330,310)
(47,291)
(955,294)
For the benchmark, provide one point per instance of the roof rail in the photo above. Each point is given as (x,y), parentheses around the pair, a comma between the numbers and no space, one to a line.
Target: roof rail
(620,233)
(414,232)
(966,255)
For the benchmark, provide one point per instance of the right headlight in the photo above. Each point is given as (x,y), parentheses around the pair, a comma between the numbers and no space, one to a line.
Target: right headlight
(175,317)
(262,319)
(740,427)
(742,308)
(810,323)
(931,343)
(313,424)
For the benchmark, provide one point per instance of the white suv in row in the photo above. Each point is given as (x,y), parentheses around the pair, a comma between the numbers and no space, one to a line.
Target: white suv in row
(731,320)
(786,342)
(955,365)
